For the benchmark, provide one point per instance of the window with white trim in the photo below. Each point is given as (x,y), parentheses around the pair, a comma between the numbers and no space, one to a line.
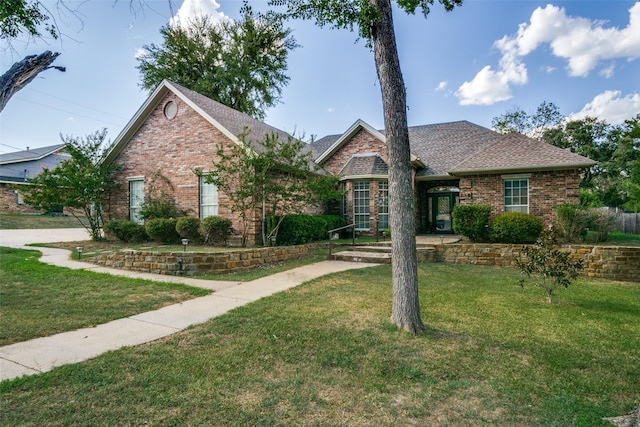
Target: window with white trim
(383,205)
(516,195)
(208,198)
(136,197)
(361,205)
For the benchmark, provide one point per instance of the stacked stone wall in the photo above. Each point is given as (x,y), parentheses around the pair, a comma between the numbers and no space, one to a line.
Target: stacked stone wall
(199,263)
(610,262)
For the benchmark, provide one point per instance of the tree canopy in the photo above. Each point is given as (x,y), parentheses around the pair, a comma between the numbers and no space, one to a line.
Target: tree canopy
(241,64)
(80,183)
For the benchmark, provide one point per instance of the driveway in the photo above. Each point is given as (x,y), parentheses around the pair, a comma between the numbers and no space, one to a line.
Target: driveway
(18,238)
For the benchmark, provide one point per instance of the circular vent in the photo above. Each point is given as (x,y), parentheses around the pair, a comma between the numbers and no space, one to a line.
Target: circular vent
(170,110)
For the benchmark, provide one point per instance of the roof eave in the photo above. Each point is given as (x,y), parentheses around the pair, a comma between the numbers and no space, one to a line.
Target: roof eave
(559,166)
(358,125)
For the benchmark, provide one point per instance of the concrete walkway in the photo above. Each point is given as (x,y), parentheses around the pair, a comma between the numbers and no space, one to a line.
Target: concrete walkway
(43,354)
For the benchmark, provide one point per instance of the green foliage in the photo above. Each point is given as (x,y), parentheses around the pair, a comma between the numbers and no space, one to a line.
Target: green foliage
(126,231)
(472,221)
(299,229)
(158,201)
(188,227)
(515,227)
(548,266)
(241,63)
(601,221)
(571,222)
(25,16)
(162,230)
(547,116)
(215,229)
(274,173)
(83,182)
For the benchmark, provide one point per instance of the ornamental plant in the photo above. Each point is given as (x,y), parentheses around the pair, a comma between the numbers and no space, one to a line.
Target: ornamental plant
(547,266)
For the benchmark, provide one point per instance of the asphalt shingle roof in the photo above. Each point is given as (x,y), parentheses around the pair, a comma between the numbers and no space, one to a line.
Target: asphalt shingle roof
(28,155)
(365,164)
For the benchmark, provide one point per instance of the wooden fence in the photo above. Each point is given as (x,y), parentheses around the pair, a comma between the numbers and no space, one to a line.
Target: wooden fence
(628,222)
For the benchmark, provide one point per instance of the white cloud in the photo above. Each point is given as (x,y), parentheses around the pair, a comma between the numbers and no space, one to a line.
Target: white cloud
(582,42)
(607,72)
(611,107)
(442,86)
(330,110)
(192,8)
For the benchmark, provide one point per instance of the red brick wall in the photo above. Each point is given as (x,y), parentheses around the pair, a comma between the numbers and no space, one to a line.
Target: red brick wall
(173,148)
(546,190)
(361,143)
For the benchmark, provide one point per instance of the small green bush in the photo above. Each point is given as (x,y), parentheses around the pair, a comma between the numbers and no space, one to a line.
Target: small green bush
(571,222)
(215,229)
(515,227)
(126,231)
(160,206)
(162,230)
(472,221)
(299,229)
(188,227)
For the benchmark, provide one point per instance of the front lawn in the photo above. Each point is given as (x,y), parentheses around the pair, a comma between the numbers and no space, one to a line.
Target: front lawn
(10,221)
(324,354)
(38,300)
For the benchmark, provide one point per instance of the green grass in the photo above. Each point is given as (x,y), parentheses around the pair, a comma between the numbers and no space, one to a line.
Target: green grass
(41,300)
(324,354)
(23,221)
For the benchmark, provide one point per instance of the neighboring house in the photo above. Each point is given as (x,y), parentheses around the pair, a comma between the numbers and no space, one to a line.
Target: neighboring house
(177,131)
(457,162)
(16,169)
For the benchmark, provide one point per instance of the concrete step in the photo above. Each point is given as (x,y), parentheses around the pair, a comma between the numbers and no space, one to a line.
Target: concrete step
(361,256)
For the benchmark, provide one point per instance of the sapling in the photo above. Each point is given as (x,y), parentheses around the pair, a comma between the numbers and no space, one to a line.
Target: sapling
(547,266)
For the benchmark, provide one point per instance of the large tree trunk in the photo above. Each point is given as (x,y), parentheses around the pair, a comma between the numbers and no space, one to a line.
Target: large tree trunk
(406,308)
(22,73)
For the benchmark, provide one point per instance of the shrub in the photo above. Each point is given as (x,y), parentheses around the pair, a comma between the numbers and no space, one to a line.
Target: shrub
(215,229)
(472,221)
(571,222)
(601,221)
(162,230)
(188,227)
(126,231)
(515,227)
(299,229)
(548,266)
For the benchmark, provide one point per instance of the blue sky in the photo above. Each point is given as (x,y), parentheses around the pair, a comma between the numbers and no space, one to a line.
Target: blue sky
(474,63)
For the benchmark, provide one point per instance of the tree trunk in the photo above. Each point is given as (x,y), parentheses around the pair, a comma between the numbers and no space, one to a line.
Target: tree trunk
(406,307)
(23,72)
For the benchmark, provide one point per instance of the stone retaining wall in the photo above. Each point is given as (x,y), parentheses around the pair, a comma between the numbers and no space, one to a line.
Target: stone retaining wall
(610,262)
(194,263)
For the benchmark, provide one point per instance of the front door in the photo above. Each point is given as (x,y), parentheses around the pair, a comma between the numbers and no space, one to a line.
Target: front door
(442,207)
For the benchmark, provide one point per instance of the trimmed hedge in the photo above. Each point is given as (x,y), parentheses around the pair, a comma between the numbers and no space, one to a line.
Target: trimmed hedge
(515,227)
(472,221)
(300,229)
(162,230)
(188,227)
(126,231)
(215,229)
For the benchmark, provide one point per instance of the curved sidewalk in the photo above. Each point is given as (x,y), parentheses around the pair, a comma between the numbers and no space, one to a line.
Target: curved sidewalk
(43,354)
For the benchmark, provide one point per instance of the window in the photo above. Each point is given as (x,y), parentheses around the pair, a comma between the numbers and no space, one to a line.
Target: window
(516,195)
(136,197)
(361,205)
(383,205)
(208,198)
(343,208)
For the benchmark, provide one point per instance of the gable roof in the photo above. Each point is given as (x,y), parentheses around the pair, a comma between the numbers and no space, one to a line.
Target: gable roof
(444,150)
(230,122)
(30,155)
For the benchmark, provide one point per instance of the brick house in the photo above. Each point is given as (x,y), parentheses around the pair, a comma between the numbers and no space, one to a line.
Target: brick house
(17,167)
(457,162)
(177,131)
